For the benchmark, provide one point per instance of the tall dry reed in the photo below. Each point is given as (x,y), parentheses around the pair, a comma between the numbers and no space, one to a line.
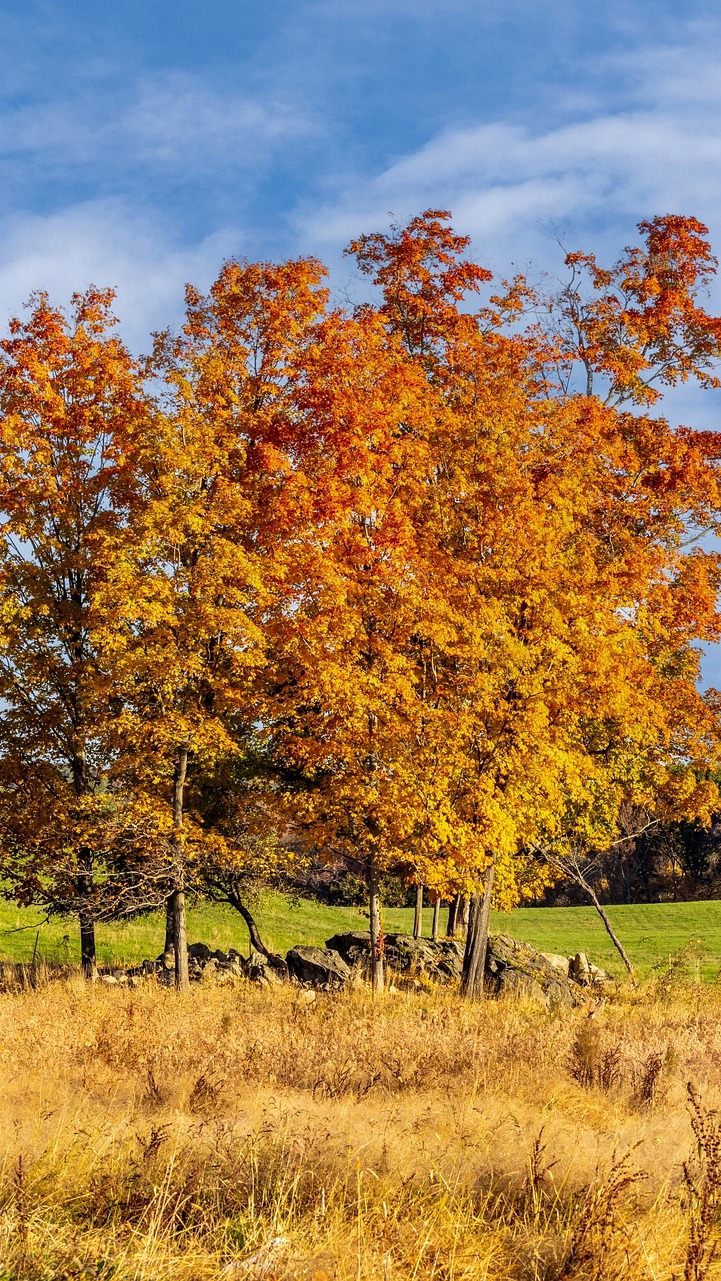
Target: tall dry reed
(244,1134)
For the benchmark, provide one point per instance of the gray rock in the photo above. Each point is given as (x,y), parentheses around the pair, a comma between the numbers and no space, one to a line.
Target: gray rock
(354,947)
(600,977)
(514,983)
(579,969)
(424,958)
(516,969)
(319,966)
(199,952)
(275,962)
(262,973)
(440,961)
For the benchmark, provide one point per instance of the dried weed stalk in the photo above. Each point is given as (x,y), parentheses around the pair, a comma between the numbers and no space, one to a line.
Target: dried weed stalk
(599,1228)
(702,1178)
(593,1063)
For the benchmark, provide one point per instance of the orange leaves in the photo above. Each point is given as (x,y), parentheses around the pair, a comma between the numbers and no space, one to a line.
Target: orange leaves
(445,599)
(423,276)
(71,429)
(641,326)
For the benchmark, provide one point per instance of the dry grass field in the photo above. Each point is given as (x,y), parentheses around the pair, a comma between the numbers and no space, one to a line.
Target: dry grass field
(242,1134)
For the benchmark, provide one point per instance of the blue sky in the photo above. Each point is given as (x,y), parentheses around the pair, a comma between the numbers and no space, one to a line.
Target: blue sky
(144,142)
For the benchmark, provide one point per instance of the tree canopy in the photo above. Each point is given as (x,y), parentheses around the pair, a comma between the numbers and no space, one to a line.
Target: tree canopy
(448,601)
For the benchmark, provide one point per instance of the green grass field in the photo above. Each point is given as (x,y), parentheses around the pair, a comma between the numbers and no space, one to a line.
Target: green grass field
(649,932)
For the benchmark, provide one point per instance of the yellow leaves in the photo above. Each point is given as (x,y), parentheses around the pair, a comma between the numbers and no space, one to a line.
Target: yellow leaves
(454,607)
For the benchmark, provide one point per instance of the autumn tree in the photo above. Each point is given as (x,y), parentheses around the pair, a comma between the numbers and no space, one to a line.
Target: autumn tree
(565,679)
(72,414)
(192,604)
(348,705)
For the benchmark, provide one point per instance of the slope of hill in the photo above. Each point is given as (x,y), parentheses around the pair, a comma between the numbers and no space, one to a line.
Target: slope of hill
(651,933)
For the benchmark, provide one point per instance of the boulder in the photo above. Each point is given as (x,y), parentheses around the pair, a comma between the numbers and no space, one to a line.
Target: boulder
(354,947)
(516,969)
(199,952)
(514,983)
(320,966)
(424,958)
(579,969)
(260,970)
(599,977)
(439,961)
(272,960)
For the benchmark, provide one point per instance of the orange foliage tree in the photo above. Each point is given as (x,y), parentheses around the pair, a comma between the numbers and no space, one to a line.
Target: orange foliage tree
(191,603)
(449,598)
(557,527)
(72,415)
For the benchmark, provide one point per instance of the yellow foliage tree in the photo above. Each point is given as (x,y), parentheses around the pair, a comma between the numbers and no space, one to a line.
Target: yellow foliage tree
(72,418)
(188,605)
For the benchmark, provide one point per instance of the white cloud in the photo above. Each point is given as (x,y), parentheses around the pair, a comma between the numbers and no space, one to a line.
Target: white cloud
(175,120)
(180,118)
(653,146)
(107,244)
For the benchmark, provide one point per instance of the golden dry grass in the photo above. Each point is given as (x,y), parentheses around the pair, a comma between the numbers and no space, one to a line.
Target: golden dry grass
(238,1133)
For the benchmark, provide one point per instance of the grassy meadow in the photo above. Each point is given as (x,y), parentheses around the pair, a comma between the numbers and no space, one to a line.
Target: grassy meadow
(237,1134)
(650,932)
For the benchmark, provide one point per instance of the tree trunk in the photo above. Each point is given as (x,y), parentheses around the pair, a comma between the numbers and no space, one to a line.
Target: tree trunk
(452,926)
(474,960)
(573,873)
(610,930)
(436,918)
(256,941)
(180,940)
(376,929)
(88,955)
(418,914)
(464,916)
(169,935)
(180,932)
